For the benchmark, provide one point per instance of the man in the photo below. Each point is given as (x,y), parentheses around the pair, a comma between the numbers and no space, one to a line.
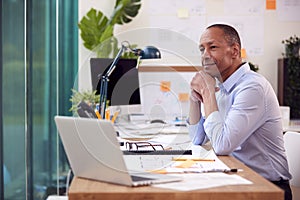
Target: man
(241,116)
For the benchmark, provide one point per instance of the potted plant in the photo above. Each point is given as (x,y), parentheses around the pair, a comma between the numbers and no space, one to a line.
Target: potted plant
(89,97)
(97,33)
(97,30)
(292,46)
(292,62)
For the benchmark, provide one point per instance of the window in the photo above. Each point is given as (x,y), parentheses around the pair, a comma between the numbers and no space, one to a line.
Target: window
(39,66)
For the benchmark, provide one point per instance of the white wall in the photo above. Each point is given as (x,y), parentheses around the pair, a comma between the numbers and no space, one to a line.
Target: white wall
(139,32)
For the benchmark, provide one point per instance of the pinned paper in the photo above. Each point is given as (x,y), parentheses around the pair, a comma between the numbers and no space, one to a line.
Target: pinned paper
(165,86)
(182,13)
(271,4)
(183,97)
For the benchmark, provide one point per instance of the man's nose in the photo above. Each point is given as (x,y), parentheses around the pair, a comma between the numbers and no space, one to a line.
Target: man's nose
(206,60)
(205,54)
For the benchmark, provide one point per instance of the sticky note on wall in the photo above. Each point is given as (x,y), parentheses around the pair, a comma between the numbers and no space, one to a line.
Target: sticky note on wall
(271,4)
(243,53)
(183,96)
(165,86)
(182,13)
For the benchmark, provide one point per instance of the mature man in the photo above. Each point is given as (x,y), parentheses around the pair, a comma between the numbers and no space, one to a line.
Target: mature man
(236,109)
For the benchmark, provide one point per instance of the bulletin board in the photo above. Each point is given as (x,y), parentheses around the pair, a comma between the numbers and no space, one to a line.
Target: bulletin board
(175,27)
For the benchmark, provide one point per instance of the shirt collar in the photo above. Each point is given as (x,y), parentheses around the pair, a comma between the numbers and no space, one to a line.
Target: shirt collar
(234,78)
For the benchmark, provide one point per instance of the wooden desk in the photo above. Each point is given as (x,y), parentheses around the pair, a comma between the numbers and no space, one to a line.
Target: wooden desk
(83,189)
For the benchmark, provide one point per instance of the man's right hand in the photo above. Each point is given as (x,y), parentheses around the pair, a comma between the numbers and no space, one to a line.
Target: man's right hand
(195,96)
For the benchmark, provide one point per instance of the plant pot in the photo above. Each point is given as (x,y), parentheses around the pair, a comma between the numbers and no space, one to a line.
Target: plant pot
(292,50)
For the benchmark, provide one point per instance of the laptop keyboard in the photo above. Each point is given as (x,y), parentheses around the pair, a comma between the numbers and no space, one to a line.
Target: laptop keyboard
(140,178)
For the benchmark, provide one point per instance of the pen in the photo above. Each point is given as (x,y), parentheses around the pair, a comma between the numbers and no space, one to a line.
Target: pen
(212,170)
(107,114)
(193,159)
(98,114)
(114,117)
(180,124)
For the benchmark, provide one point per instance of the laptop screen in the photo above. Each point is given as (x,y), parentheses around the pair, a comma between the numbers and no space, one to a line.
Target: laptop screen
(123,85)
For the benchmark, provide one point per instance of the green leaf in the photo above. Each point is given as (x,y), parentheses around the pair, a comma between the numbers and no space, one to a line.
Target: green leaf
(97,30)
(125,11)
(108,48)
(92,26)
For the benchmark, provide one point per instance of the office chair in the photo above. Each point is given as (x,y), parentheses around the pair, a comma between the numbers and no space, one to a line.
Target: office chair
(292,147)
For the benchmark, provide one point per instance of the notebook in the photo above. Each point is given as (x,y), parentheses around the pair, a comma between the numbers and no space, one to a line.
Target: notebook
(94,152)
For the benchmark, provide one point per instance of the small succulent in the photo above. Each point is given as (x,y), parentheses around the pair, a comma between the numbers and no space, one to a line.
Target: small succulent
(90,97)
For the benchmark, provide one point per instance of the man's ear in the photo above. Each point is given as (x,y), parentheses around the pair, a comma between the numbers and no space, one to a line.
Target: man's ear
(236,53)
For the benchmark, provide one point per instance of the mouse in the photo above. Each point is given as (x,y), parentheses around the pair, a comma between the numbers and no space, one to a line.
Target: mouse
(157,121)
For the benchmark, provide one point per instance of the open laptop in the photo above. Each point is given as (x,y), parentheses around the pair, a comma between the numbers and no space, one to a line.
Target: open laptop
(94,152)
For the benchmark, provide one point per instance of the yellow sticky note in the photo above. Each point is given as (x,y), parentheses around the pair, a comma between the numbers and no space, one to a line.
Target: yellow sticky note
(183,96)
(186,164)
(165,86)
(158,171)
(182,13)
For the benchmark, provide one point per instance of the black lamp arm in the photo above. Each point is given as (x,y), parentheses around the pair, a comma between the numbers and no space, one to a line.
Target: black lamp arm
(149,53)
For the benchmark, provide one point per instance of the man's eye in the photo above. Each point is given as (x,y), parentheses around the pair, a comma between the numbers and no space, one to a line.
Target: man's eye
(201,50)
(213,47)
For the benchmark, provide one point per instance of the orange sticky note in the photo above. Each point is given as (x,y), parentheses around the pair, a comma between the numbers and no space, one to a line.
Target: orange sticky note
(165,86)
(183,96)
(271,4)
(243,53)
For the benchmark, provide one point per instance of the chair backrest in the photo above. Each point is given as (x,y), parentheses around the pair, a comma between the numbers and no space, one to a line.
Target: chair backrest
(292,147)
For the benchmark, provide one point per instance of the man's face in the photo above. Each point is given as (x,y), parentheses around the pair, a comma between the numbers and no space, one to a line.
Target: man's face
(216,54)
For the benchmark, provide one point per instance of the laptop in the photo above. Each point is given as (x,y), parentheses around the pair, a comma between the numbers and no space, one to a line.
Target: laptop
(93,151)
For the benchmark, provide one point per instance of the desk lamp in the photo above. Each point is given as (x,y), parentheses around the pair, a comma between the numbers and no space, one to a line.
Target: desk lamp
(149,52)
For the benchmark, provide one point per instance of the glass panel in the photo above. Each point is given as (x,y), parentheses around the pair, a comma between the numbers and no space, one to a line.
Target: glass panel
(13,87)
(43,102)
(36,86)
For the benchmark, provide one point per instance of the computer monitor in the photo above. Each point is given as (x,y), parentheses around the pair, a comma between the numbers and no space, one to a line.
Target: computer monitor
(123,86)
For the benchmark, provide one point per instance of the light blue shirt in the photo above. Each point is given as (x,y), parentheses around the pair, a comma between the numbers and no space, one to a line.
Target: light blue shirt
(247,126)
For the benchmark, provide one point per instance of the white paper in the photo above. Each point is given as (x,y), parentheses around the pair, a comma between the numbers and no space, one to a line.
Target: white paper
(190,27)
(170,7)
(244,7)
(288,10)
(203,181)
(147,129)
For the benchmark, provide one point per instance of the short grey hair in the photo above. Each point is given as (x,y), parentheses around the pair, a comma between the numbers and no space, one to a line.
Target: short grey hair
(231,35)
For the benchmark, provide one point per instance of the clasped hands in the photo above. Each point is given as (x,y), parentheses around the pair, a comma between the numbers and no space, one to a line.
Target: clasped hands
(203,85)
